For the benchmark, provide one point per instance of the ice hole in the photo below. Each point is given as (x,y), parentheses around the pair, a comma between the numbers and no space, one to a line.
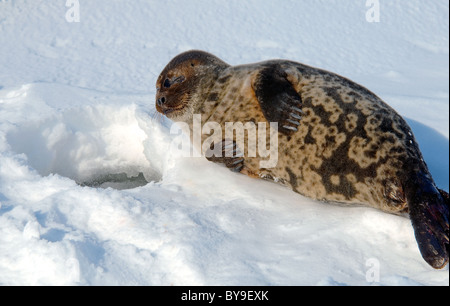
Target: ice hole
(98,146)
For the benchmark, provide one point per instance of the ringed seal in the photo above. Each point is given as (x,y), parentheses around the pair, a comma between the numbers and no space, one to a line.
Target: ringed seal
(338,141)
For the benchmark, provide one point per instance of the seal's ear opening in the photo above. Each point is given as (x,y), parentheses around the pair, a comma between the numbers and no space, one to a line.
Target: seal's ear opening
(429,213)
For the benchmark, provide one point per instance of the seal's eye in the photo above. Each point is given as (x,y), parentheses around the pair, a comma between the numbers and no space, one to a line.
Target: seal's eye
(167,83)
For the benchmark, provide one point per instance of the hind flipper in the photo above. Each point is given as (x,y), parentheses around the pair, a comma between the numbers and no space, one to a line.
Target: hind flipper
(429,213)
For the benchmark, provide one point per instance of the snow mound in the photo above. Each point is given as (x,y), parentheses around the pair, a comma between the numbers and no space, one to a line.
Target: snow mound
(89,142)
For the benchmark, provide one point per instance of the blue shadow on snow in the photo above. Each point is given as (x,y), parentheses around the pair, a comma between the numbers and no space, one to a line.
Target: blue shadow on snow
(435,151)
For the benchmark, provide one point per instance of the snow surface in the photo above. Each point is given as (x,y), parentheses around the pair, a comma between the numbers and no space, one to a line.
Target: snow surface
(77,105)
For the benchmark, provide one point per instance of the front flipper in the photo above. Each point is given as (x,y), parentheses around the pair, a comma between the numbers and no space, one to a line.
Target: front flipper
(226,153)
(278,99)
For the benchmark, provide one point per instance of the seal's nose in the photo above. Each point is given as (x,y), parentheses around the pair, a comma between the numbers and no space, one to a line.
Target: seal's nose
(161,101)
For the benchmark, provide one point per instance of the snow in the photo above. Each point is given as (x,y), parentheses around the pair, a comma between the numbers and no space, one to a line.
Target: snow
(77,106)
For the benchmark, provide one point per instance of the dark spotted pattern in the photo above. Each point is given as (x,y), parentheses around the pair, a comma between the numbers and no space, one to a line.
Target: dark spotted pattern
(338,141)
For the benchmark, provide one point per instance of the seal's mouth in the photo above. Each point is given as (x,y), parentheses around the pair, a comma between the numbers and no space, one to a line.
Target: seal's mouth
(171,112)
(168,111)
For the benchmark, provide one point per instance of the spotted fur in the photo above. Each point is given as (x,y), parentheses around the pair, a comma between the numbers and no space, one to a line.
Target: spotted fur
(338,141)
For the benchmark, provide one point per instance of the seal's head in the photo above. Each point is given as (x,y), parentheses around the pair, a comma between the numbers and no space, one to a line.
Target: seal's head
(179,84)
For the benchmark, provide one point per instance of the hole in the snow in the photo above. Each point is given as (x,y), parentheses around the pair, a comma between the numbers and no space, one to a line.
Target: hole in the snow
(117,181)
(95,146)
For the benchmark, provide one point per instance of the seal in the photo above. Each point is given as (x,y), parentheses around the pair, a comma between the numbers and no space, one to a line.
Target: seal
(337,141)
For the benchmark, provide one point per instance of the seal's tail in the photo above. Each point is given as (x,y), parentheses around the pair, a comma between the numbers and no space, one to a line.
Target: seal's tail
(429,213)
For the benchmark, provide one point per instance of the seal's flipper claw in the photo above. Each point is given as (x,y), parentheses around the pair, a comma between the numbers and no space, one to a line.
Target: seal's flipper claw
(230,155)
(278,99)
